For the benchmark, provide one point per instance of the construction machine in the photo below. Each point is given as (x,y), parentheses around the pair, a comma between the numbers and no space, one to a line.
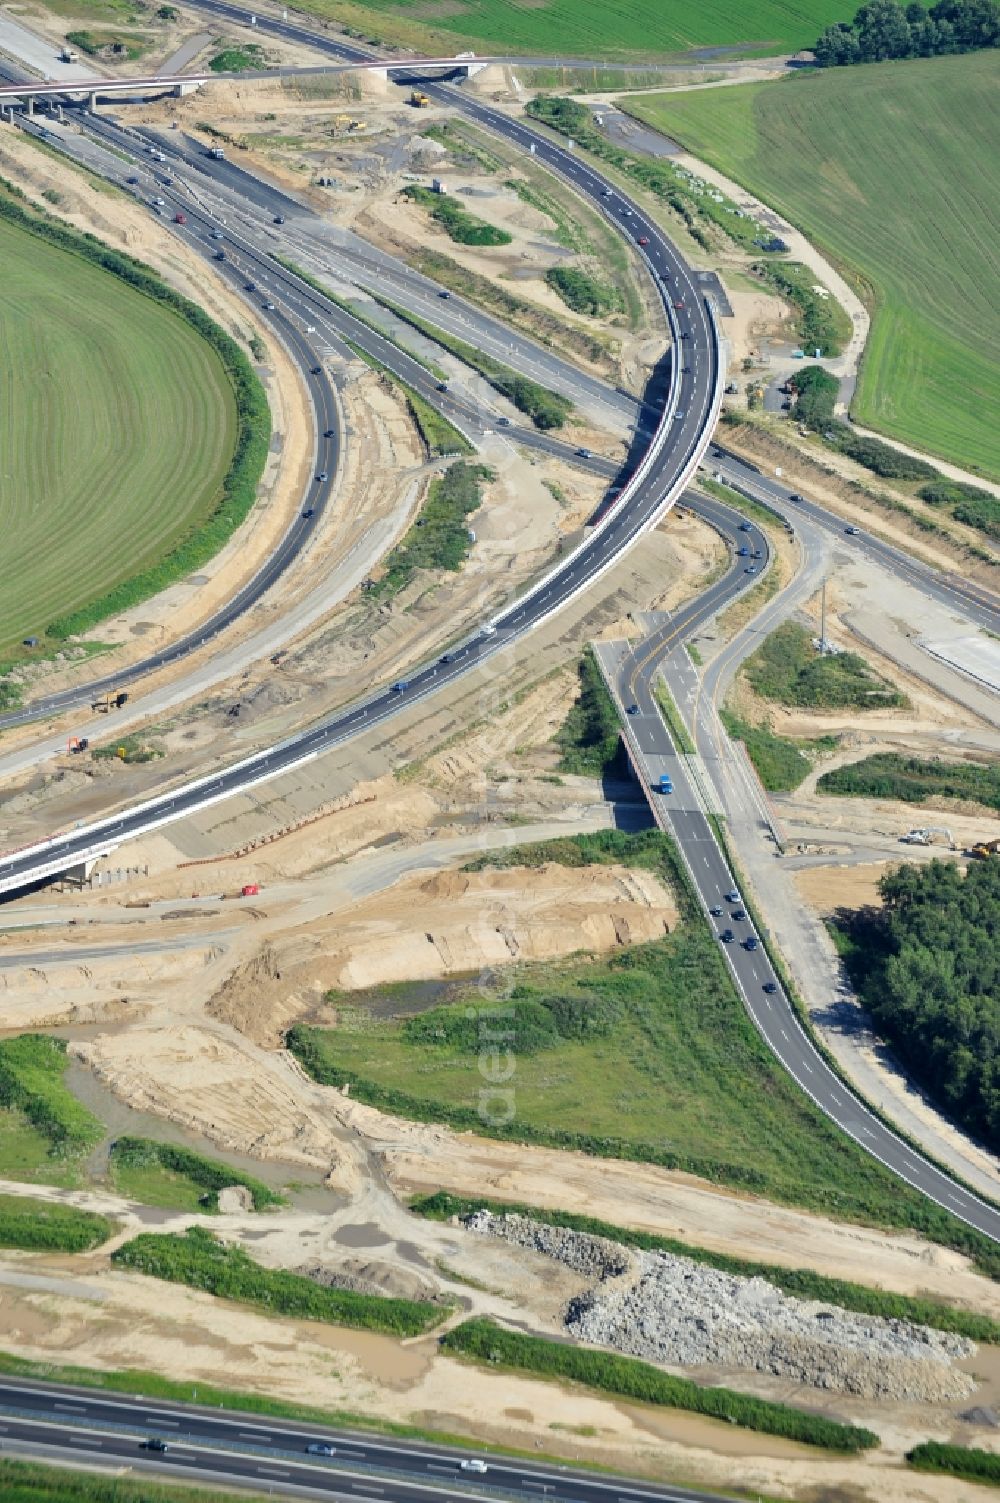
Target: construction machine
(929,836)
(984,848)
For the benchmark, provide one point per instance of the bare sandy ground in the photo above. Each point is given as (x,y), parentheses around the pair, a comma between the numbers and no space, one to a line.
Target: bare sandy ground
(116,1320)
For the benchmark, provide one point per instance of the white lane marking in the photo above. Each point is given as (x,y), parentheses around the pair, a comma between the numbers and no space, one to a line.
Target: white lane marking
(806,1066)
(149,1419)
(72,1408)
(83,1440)
(784,1035)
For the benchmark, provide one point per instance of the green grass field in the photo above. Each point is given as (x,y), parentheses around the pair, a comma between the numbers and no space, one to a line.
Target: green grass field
(618,30)
(893,170)
(117,426)
(645,1054)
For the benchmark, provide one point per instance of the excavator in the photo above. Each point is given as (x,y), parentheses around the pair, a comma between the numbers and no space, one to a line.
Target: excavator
(984,848)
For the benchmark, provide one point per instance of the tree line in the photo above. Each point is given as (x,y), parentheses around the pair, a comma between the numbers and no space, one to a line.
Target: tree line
(884,29)
(927,967)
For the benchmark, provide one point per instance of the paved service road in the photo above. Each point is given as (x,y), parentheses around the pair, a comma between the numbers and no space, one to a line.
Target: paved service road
(210,1445)
(632,674)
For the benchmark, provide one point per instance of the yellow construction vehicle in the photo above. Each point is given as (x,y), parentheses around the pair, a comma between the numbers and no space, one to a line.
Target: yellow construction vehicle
(984,848)
(418,99)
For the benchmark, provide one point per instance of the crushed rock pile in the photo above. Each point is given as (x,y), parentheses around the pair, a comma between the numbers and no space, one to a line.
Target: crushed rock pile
(679,1313)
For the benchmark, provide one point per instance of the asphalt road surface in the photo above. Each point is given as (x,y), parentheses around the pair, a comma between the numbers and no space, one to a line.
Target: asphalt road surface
(211,1445)
(682,812)
(672,455)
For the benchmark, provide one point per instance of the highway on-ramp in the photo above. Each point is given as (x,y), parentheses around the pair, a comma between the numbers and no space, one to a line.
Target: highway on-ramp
(675,449)
(632,672)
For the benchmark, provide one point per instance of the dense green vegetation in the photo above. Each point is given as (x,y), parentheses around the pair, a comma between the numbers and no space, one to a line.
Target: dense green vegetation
(439,538)
(456,220)
(171,394)
(31,1083)
(440,437)
(927,967)
(804,1283)
(956,1461)
(619,30)
(914,780)
(583,292)
(243,59)
(546,327)
(167,1174)
(780,764)
(890,170)
(484,1341)
(109,43)
(884,29)
(820,322)
(42,1225)
(816,394)
(788,669)
(33,1482)
(882,459)
(699,210)
(966,503)
(588,737)
(199,1259)
(644,1054)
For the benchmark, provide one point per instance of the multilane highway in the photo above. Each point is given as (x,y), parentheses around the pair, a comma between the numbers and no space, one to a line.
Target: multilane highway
(673,455)
(694,384)
(632,674)
(214,1446)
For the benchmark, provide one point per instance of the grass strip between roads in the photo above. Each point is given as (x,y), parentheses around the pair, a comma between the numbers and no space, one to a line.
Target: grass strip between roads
(546,409)
(956,1461)
(802,1283)
(200,1260)
(33,1482)
(483,1341)
(238,489)
(362,318)
(441,438)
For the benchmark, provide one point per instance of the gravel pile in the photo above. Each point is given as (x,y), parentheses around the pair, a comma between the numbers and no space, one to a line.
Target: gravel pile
(679,1313)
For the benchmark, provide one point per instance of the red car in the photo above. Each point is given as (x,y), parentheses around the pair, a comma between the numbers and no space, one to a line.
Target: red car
(643,239)
(679,303)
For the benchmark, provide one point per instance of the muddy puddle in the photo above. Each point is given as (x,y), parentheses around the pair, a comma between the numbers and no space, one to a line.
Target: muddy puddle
(382,1358)
(304,1187)
(711,1435)
(401,999)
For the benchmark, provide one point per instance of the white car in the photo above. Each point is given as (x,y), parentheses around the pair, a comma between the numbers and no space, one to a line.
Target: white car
(474,1465)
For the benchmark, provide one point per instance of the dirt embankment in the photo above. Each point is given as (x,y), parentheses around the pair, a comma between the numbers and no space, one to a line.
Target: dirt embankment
(451,923)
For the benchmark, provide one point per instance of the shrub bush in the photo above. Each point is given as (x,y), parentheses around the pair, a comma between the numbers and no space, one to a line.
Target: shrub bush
(484,1341)
(200,1260)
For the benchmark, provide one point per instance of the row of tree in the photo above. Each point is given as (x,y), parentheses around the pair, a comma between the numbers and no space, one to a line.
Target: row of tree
(927,966)
(884,29)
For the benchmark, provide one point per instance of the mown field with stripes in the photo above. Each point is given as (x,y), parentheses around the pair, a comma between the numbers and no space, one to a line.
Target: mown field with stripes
(618,30)
(117,427)
(893,169)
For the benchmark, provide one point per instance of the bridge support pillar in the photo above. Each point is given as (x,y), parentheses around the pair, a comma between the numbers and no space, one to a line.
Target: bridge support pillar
(93,104)
(78,875)
(30,106)
(184,89)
